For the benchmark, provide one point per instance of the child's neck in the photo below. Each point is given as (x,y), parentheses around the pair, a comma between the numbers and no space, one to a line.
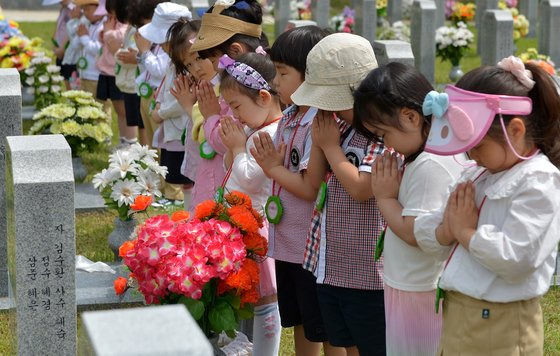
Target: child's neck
(273,114)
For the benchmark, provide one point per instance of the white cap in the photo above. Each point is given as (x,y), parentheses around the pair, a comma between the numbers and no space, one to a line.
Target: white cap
(51,2)
(165,15)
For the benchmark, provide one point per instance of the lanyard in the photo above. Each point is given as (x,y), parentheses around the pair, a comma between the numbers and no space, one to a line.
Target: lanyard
(310,111)
(228,174)
(147,79)
(159,88)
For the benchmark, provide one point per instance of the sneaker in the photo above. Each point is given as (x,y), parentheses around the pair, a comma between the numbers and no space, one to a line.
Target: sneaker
(178,203)
(162,203)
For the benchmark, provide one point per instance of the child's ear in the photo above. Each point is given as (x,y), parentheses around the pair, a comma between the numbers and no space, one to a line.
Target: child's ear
(264,97)
(410,118)
(516,128)
(236,49)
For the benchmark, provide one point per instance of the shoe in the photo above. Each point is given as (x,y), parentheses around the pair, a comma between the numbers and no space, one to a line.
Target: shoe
(162,203)
(178,203)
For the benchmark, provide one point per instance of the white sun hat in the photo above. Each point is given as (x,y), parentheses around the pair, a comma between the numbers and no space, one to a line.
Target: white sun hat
(165,15)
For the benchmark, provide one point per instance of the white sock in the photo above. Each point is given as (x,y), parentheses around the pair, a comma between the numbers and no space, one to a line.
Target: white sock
(266,330)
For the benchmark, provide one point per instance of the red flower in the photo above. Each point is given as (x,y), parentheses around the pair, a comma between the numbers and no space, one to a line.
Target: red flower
(180,216)
(141,203)
(206,209)
(237,198)
(120,284)
(242,217)
(256,243)
(126,247)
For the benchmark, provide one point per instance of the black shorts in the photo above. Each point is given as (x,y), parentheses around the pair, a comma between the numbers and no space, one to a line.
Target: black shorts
(297,300)
(132,109)
(66,70)
(173,161)
(107,89)
(354,317)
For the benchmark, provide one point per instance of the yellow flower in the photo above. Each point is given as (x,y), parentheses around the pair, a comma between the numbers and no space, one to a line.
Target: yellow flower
(70,128)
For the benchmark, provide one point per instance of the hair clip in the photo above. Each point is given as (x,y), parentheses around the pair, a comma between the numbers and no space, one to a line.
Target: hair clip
(517,68)
(435,104)
(260,50)
(225,61)
(242,5)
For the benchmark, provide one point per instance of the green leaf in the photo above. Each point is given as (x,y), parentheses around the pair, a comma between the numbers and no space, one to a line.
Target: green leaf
(246,312)
(221,317)
(195,307)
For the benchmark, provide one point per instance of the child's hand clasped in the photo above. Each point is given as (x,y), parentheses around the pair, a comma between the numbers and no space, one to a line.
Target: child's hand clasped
(184,90)
(385,177)
(207,100)
(266,154)
(462,213)
(82,30)
(325,131)
(232,135)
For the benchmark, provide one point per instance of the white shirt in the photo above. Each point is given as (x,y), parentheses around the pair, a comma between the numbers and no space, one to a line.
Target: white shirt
(89,49)
(423,188)
(153,66)
(72,53)
(173,115)
(248,177)
(511,256)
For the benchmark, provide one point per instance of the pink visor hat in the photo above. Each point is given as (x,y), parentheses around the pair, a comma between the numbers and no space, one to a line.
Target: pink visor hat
(461,118)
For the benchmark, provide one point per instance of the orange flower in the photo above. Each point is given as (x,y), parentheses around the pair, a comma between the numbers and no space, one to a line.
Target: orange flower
(241,280)
(126,247)
(251,296)
(237,198)
(256,243)
(180,215)
(141,203)
(120,285)
(545,65)
(205,210)
(241,217)
(258,216)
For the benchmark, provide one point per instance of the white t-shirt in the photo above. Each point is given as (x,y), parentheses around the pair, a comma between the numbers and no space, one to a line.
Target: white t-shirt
(424,187)
(247,176)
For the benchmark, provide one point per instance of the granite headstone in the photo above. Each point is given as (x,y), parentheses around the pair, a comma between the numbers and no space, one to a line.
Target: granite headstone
(394,11)
(366,18)
(393,51)
(148,331)
(440,13)
(530,8)
(281,16)
(497,29)
(422,36)
(549,28)
(320,11)
(10,125)
(42,245)
(481,7)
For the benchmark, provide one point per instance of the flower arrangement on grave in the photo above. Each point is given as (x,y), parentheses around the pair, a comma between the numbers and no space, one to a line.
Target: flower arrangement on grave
(17,51)
(133,172)
(544,61)
(381,6)
(462,12)
(79,117)
(44,80)
(300,9)
(344,22)
(209,262)
(452,42)
(398,31)
(520,22)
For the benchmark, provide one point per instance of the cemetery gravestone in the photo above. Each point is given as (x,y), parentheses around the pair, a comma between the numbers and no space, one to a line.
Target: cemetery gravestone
(299,23)
(281,16)
(393,51)
(366,18)
(42,247)
(152,331)
(394,11)
(320,10)
(497,33)
(549,28)
(422,38)
(529,8)
(440,13)
(481,7)
(10,125)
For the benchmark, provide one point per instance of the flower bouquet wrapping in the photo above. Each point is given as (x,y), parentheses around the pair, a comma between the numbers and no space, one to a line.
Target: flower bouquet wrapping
(132,172)
(452,42)
(79,118)
(44,80)
(208,262)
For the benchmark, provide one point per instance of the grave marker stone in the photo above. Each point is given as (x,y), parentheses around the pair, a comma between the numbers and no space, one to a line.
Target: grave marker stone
(281,16)
(42,247)
(422,36)
(151,331)
(10,125)
(366,18)
(394,11)
(440,13)
(549,28)
(497,33)
(481,7)
(529,8)
(320,11)
(299,23)
(393,51)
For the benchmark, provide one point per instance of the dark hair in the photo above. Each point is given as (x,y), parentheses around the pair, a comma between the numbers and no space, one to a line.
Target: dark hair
(293,46)
(258,62)
(178,37)
(543,124)
(141,10)
(384,92)
(120,7)
(251,14)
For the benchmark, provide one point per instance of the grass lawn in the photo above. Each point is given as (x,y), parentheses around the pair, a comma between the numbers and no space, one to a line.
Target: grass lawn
(92,229)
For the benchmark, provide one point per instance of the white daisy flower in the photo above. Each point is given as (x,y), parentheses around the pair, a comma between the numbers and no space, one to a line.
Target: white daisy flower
(159,170)
(149,182)
(143,153)
(125,191)
(103,179)
(53,68)
(55,88)
(122,161)
(43,79)
(30,71)
(30,81)
(43,89)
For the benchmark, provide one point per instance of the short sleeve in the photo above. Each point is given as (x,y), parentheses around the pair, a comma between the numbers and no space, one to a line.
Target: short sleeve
(306,150)
(372,152)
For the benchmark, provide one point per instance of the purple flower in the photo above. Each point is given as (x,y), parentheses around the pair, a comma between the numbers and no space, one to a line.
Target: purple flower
(348,12)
